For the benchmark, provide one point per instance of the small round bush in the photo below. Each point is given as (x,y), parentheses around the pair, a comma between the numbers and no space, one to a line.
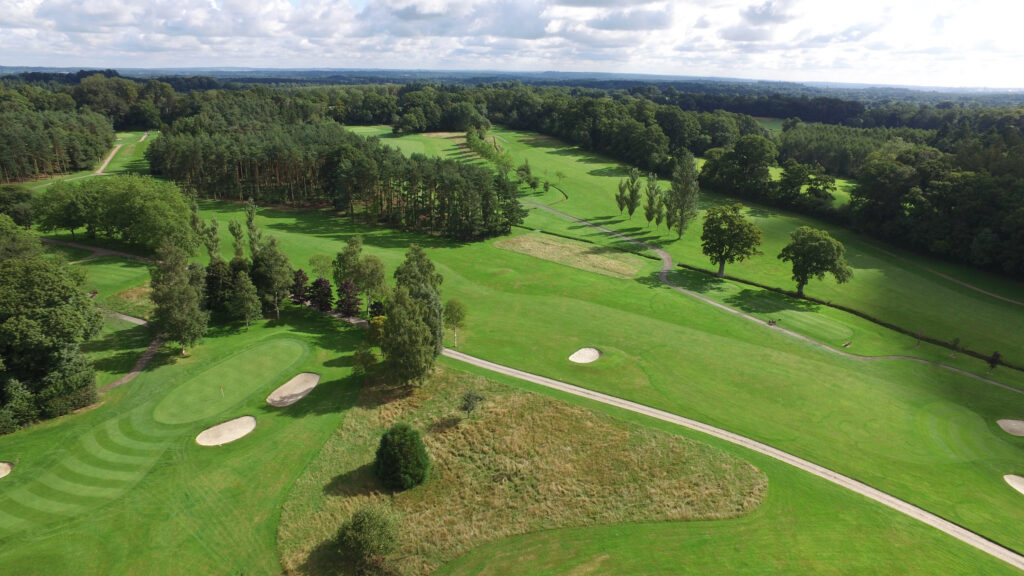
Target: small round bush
(368,536)
(402,460)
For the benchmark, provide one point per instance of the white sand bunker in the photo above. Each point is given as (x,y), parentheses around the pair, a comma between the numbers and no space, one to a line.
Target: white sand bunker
(1016,481)
(1015,427)
(226,431)
(585,355)
(293,390)
(5,468)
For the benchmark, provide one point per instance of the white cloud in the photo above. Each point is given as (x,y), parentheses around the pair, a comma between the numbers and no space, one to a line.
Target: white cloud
(937,42)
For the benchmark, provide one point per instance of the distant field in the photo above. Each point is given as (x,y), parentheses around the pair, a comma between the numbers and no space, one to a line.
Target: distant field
(895,290)
(770,124)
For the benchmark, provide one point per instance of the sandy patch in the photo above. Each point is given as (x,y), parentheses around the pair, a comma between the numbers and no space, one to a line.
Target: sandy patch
(1016,481)
(5,468)
(226,431)
(1015,427)
(585,355)
(293,390)
(580,255)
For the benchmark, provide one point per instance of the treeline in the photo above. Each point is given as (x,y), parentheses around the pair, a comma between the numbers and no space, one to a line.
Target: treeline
(278,146)
(42,132)
(137,210)
(44,317)
(909,194)
(842,150)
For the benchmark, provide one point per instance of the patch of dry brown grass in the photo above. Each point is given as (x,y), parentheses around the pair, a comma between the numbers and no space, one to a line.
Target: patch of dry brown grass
(135,301)
(581,255)
(522,462)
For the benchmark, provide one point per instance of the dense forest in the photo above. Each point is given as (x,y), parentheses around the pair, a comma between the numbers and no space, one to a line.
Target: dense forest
(276,146)
(944,177)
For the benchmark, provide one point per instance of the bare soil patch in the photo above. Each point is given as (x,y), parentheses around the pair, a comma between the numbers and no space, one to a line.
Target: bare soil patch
(580,255)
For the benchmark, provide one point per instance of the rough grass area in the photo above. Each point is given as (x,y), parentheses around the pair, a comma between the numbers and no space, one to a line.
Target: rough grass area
(589,257)
(522,462)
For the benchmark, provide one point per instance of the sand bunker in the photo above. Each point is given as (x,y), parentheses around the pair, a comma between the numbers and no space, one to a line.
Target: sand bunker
(5,468)
(585,355)
(1015,427)
(293,390)
(226,431)
(1016,481)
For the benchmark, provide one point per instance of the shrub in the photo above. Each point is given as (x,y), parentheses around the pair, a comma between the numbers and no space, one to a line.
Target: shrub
(375,334)
(402,461)
(470,400)
(367,537)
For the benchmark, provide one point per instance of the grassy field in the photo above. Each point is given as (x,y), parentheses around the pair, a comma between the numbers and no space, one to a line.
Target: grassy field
(124,489)
(805,526)
(116,348)
(918,432)
(897,288)
(121,285)
(925,435)
(770,124)
(520,463)
(129,158)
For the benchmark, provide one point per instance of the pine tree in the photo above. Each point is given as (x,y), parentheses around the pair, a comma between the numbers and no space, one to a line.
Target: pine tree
(245,300)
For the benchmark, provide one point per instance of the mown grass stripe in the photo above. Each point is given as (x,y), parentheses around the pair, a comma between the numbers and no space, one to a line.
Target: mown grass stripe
(107,439)
(91,450)
(76,491)
(94,476)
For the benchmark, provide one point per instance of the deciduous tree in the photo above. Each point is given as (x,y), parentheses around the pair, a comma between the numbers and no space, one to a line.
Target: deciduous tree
(814,253)
(728,237)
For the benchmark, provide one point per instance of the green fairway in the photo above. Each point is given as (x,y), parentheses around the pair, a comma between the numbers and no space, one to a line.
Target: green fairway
(922,434)
(120,284)
(805,526)
(883,285)
(887,423)
(113,490)
(131,156)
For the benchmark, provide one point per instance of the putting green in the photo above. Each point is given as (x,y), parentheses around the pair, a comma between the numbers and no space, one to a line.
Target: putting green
(229,382)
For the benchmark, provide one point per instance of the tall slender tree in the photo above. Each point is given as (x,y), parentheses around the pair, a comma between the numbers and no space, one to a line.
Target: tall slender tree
(179,314)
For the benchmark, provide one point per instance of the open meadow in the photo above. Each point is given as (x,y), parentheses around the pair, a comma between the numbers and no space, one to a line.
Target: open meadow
(124,488)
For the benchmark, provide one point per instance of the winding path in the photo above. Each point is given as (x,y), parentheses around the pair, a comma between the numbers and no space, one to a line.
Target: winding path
(668,266)
(97,252)
(143,360)
(954,530)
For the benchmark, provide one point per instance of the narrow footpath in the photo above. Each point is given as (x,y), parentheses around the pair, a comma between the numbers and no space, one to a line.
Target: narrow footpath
(143,360)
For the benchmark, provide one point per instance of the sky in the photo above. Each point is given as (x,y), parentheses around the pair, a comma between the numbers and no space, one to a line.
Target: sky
(948,43)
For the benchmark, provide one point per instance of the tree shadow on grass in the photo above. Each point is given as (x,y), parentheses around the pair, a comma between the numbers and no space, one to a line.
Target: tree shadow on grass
(326,558)
(758,301)
(356,482)
(610,171)
(695,281)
